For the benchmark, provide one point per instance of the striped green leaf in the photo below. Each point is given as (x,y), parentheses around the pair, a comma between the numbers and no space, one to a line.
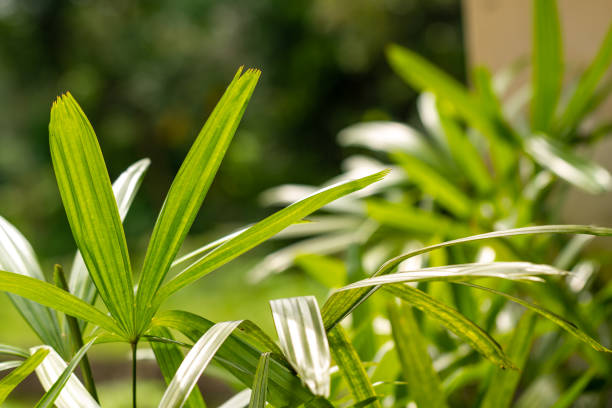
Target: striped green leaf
(7,365)
(190,186)
(17,256)
(502,383)
(239,400)
(547,63)
(169,357)
(303,340)
(340,304)
(417,367)
(5,349)
(194,364)
(15,377)
(125,188)
(58,299)
(350,366)
(91,208)
(62,382)
(240,359)
(262,231)
(553,317)
(566,400)
(585,91)
(260,382)
(453,321)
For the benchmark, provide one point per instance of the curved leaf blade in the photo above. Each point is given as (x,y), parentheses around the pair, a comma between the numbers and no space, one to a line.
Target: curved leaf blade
(553,317)
(58,299)
(91,208)
(15,377)
(191,184)
(62,381)
(454,321)
(53,370)
(17,255)
(262,231)
(303,340)
(194,364)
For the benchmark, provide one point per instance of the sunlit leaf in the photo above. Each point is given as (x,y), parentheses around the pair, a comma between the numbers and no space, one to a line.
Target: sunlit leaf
(260,383)
(17,256)
(125,188)
(194,364)
(262,231)
(91,208)
(303,340)
(169,358)
(190,186)
(15,377)
(65,389)
(53,297)
(239,400)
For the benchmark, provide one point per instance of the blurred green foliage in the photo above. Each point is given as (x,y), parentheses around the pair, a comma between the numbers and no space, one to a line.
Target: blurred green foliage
(147,73)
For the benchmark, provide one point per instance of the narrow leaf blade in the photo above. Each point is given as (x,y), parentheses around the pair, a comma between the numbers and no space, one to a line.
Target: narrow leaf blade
(194,364)
(191,185)
(91,208)
(260,383)
(15,377)
(52,394)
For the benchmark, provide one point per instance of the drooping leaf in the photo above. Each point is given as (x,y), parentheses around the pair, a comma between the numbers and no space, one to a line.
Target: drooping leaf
(52,370)
(558,320)
(169,358)
(7,365)
(340,304)
(15,377)
(59,393)
(502,384)
(191,184)
(262,231)
(585,91)
(260,383)
(463,272)
(547,63)
(91,208)
(350,366)
(125,188)
(194,364)
(17,256)
(423,382)
(53,297)
(303,340)
(241,358)
(454,321)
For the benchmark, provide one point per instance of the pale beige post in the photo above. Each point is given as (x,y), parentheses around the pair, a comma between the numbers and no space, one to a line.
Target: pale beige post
(498,32)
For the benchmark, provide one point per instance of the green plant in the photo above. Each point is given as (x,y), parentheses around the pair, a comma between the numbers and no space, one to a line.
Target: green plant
(102,266)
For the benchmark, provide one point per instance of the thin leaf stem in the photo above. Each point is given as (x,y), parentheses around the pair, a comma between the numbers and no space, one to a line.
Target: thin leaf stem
(77,336)
(134,366)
